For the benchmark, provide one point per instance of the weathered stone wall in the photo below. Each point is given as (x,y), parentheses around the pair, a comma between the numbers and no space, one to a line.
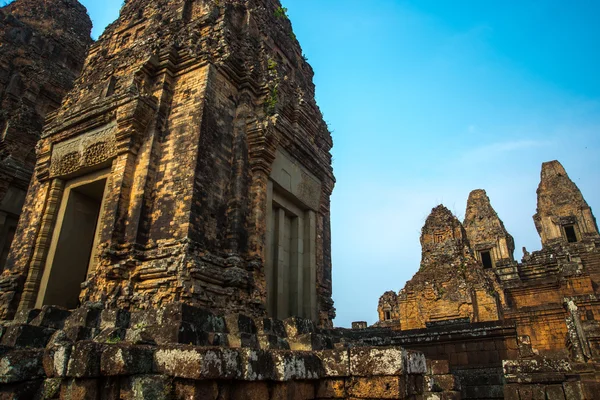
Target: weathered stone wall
(182,352)
(44,45)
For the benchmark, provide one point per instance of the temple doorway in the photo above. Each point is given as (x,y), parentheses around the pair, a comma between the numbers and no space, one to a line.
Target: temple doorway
(72,251)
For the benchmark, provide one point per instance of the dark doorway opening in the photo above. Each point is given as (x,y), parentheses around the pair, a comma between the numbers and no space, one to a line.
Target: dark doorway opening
(570,233)
(72,254)
(388,315)
(486,259)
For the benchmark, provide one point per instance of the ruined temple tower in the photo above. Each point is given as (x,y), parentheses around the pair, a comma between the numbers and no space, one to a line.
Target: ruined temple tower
(43,45)
(563,215)
(190,163)
(451,283)
(487,236)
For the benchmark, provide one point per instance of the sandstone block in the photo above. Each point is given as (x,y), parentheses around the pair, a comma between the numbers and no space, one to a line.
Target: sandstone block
(511,392)
(273,342)
(380,387)
(246,340)
(142,318)
(257,365)
(21,391)
(440,383)
(77,333)
(144,387)
(298,326)
(385,361)
(331,389)
(336,363)
(555,392)
(88,317)
(51,388)
(85,360)
(376,361)
(293,391)
(26,316)
(198,363)
(532,392)
(240,324)
(270,326)
(26,336)
(438,367)
(80,389)
(126,360)
(111,335)
(57,355)
(21,365)
(249,391)
(114,319)
(196,390)
(290,365)
(310,342)
(51,317)
(200,319)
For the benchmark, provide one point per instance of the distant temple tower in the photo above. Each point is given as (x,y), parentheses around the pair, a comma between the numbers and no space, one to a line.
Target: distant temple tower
(450,284)
(563,215)
(489,239)
(43,48)
(189,164)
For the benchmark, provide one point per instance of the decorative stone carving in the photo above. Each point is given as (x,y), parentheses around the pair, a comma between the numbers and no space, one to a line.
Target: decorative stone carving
(87,150)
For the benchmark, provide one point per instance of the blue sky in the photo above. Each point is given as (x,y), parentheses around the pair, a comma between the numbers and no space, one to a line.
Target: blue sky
(430,99)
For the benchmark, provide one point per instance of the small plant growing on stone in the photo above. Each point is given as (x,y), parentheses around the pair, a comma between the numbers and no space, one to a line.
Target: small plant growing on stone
(271,101)
(281,12)
(113,340)
(140,325)
(271,64)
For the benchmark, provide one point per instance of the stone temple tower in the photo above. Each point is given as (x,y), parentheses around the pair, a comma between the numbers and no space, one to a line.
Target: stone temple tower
(488,237)
(563,216)
(450,284)
(189,164)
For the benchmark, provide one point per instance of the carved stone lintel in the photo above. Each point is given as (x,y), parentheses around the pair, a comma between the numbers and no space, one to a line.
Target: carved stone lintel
(82,151)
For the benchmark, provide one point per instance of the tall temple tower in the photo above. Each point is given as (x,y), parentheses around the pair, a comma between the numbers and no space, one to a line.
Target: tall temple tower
(563,216)
(190,164)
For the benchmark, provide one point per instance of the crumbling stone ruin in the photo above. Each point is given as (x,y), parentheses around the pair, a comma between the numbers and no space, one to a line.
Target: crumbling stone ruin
(541,313)
(44,44)
(450,284)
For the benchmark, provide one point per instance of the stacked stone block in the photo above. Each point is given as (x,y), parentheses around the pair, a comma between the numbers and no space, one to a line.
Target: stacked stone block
(183,352)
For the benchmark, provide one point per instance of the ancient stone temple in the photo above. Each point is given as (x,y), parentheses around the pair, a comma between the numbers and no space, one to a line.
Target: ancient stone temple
(190,164)
(43,47)
(543,324)
(175,242)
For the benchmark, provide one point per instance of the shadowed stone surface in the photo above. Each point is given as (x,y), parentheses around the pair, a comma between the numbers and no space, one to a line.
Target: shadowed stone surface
(44,44)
